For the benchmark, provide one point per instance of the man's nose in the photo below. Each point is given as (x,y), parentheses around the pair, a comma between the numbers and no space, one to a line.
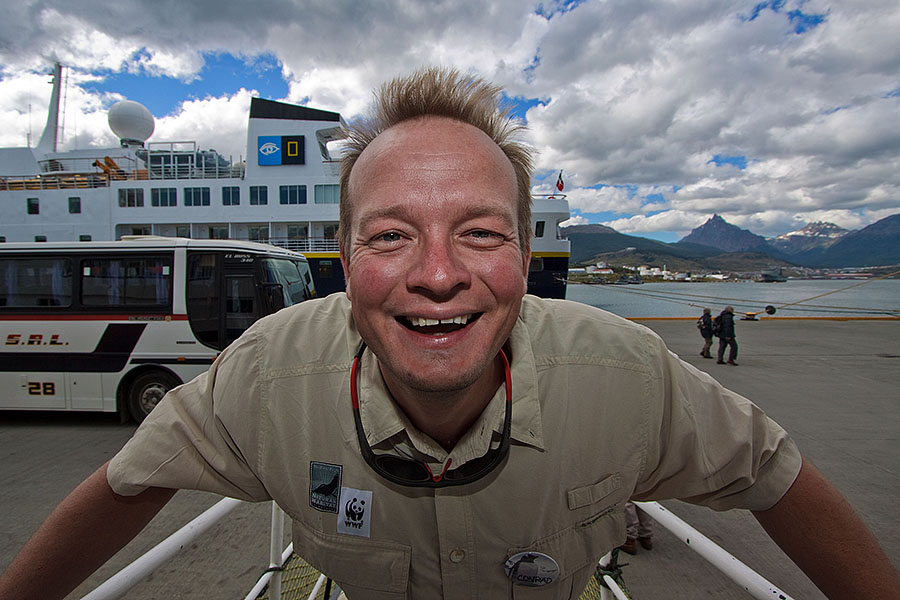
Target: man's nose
(438,268)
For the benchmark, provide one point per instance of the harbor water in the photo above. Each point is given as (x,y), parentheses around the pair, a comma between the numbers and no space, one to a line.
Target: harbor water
(793,298)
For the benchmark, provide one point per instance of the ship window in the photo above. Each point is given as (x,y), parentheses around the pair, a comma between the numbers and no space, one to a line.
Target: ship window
(218,232)
(297,231)
(74,205)
(183,231)
(131,197)
(258,233)
(327,194)
(259,195)
(40,238)
(292,194)
(32,206)
(231,195)
(196,196)
(326,269)
(539,229)
(163,197)
(84,238)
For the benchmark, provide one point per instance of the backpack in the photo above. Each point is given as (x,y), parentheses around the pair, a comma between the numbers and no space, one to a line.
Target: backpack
(717,325)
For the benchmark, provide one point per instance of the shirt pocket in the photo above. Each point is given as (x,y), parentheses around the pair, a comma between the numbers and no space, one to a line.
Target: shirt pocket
(599,526)
(363,568)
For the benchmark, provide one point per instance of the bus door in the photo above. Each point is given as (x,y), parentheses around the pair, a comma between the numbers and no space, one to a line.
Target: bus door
(222,298)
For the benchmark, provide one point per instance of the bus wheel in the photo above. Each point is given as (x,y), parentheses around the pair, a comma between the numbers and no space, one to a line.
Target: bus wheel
(146,391)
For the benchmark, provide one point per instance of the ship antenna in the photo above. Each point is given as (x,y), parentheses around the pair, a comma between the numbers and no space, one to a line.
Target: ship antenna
(47,142)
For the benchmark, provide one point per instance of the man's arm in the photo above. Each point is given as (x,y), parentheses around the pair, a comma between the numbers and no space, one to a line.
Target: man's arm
(818,529)
(87,528)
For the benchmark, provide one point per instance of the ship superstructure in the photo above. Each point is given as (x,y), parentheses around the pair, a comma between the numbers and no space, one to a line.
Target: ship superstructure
(285,192)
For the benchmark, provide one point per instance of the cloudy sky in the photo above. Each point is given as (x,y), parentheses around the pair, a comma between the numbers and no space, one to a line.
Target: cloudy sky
(660,113)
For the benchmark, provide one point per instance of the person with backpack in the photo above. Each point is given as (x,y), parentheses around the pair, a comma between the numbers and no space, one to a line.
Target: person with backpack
(705,325)
(723,327)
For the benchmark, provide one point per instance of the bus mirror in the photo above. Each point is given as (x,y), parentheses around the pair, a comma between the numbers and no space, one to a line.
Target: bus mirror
(274,295)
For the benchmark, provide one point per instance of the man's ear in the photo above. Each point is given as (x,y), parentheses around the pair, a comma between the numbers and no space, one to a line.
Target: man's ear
(345,263)
(526,258)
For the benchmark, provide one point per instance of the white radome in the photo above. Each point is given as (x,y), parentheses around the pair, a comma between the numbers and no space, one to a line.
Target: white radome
(131,120)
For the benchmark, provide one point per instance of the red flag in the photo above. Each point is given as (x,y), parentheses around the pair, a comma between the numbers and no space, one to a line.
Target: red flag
(559,182)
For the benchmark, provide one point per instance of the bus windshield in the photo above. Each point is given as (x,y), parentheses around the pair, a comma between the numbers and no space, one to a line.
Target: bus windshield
(293,276)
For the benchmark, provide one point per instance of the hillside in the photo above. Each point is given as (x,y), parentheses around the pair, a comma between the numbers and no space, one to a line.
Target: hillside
(718,233)
(590,241)
(706,248)
(877,244)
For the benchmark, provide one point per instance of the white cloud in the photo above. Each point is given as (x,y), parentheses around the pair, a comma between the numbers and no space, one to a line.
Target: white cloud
(638,96)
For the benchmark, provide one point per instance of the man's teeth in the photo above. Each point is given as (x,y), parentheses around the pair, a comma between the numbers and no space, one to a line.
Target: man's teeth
(423,322)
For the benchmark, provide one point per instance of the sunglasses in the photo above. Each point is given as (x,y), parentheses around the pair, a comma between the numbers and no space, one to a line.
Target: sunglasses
(414,473)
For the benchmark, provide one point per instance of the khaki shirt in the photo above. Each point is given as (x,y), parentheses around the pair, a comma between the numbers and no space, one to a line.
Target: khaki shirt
(602,412)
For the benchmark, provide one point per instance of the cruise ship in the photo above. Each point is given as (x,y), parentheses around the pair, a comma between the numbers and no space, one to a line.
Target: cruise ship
(284,193)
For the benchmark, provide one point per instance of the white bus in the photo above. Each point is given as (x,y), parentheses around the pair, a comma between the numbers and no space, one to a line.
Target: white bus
(112,326)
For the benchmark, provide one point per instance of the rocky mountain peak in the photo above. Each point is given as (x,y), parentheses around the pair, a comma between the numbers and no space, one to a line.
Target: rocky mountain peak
(718,233)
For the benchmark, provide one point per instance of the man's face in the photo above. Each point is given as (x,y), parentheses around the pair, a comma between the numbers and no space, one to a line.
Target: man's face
(434,269)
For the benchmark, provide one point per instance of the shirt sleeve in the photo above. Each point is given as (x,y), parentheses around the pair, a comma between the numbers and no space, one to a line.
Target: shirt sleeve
(190,440)
(708,445)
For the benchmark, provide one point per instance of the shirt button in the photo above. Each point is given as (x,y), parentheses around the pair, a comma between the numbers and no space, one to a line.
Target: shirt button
(457,555)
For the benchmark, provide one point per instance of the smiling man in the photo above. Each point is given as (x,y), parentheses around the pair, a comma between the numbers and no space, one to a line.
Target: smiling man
(437,433)
(436,267)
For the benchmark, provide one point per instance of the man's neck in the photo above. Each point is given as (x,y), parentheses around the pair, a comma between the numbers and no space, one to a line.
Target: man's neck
(446,416)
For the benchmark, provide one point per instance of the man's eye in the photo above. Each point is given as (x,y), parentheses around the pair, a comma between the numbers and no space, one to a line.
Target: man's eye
(389,236)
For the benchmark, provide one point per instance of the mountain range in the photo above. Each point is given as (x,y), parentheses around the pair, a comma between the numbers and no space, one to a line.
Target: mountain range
(720,245)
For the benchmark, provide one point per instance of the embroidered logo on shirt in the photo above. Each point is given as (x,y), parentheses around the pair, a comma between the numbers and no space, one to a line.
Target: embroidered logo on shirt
(355,517)
(324,486)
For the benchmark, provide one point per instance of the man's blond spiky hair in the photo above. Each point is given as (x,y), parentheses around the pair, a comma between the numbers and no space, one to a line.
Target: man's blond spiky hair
(447,93)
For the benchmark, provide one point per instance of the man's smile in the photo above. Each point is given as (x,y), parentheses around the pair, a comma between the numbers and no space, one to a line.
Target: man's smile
(438,326)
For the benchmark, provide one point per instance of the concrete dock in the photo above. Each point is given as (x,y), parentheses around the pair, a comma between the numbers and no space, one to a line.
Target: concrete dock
(834,385)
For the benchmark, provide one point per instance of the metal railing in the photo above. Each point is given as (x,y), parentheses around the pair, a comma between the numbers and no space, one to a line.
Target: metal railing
(55,177)
(308,244)
(119,584)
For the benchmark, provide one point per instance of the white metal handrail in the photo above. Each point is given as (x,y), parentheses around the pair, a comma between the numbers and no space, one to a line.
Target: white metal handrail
(119,584)
(754,583)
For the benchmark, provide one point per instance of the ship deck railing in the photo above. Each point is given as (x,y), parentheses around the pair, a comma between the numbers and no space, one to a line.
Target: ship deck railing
(73,180)
(306,244)
(289,575)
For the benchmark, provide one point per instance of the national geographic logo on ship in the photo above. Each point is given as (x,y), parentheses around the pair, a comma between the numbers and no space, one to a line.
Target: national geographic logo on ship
(280,150)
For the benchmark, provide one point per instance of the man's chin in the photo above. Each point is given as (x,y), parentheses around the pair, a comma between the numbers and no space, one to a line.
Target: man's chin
(435,379)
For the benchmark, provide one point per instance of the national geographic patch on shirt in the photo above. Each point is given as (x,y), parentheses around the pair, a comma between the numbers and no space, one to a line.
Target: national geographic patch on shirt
(324,486)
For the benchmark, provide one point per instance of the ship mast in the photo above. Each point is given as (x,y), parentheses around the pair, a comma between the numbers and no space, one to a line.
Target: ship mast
(48,138)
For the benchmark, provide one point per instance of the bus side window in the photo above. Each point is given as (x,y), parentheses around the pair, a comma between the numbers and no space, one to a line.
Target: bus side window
(127,282)
(29,282)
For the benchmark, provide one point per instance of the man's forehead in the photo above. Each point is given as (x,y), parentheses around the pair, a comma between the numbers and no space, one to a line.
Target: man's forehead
(445,144)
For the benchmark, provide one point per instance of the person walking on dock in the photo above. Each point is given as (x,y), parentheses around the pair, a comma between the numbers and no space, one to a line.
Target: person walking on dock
(704,324)
(727,337)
